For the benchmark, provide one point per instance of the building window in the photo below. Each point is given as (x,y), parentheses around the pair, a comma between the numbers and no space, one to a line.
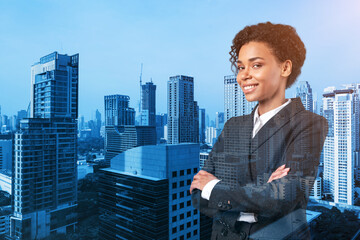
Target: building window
(181,205)
(188,182)
(188,203)
(181,227)
(181,194)
(174,174)
(195,222)
(188,193)
(188,171)
(188,235)
(174,230)
(174,185)
(181,237)
(181,216)
(174,218)
(188,214)
(188,224)
(181,183)
(174,196)
(195,232)
(174,207)
(195,211)
(195,170)
(181,172)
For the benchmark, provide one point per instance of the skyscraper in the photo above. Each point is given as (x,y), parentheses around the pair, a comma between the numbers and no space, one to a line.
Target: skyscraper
(341,109)
(235,103)
(120,132)
(45,189)
(117,111)
(98,122)
(145,194)
(20,115)
(6,152)
(202,126)
(161,121)
(304,91)
(148,104)
(183,117)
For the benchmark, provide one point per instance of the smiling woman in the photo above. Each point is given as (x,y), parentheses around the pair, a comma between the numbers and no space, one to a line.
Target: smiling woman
(261,76)
(246,184)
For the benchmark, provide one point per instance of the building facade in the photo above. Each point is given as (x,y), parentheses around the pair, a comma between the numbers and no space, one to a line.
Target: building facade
(341,109)
(6,152)
(304,91)
(45,171)
(117,110)
(235,103)
(183,117)
(148,104)
(145,194)
(121,138)
(202,125)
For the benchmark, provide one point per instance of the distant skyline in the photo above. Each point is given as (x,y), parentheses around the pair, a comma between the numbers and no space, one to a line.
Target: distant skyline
(190,38)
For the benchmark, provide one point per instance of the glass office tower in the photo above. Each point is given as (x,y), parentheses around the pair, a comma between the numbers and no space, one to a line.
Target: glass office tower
(45,169)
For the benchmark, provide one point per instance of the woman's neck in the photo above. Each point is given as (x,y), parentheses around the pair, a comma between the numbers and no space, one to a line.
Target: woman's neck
(265,107)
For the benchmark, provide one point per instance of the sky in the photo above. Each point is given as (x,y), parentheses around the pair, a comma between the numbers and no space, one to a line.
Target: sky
(190,37)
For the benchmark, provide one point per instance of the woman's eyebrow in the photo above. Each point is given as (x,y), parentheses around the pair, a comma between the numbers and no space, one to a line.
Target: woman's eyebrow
(251,59)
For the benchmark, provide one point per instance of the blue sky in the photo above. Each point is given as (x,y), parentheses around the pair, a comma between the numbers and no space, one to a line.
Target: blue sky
(170,38)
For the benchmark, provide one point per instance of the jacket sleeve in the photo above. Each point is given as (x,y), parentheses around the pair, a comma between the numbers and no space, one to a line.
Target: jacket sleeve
(197,201)
(282,196)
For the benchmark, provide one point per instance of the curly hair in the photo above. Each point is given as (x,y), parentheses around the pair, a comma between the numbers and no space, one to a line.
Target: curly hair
(282,39)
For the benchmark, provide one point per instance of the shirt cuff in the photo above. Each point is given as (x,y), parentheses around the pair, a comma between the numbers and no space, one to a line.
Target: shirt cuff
(206,192)
(247,217)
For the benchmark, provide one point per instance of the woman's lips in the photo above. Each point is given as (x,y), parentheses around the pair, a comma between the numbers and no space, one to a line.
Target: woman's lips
(249,88)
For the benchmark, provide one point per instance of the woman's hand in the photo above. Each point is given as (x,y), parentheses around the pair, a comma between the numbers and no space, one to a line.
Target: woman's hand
(201,179)
(279,173)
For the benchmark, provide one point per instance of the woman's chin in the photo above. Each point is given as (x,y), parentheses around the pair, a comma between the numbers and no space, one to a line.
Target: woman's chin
(251,99)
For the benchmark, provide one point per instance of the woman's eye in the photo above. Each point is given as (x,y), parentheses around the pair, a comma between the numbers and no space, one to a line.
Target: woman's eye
(257,65)
(240,67)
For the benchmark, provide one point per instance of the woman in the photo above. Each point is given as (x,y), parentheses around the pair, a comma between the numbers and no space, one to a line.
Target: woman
(259,174)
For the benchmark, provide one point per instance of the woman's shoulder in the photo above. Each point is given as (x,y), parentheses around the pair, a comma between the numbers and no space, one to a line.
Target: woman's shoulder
(239,119)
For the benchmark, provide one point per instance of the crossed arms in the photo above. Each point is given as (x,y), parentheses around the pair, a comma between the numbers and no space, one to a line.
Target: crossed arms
(281,194)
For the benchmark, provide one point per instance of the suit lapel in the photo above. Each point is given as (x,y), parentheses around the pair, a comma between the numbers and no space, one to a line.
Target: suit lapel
(274,124)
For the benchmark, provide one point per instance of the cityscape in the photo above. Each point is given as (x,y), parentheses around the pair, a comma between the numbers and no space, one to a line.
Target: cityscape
(74,165)
(127,175)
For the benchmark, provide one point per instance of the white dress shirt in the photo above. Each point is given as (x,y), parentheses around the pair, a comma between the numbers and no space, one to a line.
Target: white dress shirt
(259,121)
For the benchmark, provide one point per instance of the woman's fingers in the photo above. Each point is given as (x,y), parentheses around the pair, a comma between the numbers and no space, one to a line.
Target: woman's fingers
(279,173)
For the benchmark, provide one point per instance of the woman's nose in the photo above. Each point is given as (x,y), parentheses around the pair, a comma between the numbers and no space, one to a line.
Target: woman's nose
(245,74)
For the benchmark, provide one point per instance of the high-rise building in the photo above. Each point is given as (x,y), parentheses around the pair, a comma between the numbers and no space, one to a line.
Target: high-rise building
(211,135)
(98,122)
(121,138)
(202,126)
(148,104)
(6,152)
(45,169)
(341,109)
(20,115)
(145,194)
(183,117)
(117,111)
(121,133)
(161,121)
(304,91)
(235,103)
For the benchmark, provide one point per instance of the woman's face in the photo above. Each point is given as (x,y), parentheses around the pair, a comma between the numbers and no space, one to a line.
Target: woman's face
(260,74)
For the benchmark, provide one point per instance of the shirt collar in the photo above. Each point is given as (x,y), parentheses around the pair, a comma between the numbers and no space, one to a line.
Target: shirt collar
(268,115)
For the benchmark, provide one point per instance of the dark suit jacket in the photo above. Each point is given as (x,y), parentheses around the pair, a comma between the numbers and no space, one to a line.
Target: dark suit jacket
(294,137)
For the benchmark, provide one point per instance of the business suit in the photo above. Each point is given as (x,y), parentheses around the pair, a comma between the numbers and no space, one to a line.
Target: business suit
(293,137)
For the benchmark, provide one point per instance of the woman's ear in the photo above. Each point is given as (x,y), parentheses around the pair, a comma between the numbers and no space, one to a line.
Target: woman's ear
(286,68)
